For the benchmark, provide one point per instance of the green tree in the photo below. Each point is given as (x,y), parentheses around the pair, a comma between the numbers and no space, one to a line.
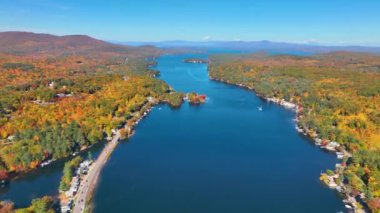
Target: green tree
(42,205)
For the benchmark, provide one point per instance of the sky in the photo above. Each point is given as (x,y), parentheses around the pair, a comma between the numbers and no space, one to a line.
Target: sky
(333,22)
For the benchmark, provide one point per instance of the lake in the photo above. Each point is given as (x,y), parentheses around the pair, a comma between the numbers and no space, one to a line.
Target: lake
(223,156)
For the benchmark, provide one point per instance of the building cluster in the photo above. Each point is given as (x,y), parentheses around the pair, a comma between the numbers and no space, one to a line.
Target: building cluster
(82,170)
(282,102)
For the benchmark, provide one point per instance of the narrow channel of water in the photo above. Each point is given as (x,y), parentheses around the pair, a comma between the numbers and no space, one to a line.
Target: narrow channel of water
(40,182)
(223,156)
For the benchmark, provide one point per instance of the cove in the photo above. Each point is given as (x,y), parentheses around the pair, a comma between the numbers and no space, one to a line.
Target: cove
(40,182)
(223,156)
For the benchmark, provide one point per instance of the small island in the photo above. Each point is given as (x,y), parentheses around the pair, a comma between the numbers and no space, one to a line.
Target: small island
(195,61)
(195,98)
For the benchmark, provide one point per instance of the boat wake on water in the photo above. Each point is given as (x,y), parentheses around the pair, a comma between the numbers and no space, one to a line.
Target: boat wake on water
(195,77)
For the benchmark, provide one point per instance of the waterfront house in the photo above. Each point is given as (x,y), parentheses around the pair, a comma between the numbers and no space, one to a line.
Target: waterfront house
(340,155)
(11,137)
(65,209)
(70,193)
(150,99)
(332,146)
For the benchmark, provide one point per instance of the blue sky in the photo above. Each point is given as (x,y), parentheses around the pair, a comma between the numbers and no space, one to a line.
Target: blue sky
(339,22)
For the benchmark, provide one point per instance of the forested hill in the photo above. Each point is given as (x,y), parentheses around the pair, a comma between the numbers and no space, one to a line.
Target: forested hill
(59,95)
(27,57)
(25,43)
(338,97)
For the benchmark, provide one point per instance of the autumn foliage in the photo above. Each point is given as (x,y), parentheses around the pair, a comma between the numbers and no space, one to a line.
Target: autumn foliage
(54,102)
(339,97)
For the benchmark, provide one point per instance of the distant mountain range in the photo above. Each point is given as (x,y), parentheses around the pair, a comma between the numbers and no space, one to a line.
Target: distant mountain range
(254,46)
(23,43)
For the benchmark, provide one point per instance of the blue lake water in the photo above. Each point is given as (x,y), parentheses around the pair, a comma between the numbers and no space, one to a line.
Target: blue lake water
(223,156)
(40,182)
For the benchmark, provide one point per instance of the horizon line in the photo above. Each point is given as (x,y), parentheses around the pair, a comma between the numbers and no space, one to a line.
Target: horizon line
(306,43)
(315,44)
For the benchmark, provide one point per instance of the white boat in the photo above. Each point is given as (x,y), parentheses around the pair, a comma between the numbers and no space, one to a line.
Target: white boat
(260,108)
(46,163)
(348,206)
(3,183)
(318,141)
(299,129)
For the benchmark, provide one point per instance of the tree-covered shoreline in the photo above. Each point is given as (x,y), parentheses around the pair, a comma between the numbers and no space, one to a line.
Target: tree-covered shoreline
(53,105)
(339,98)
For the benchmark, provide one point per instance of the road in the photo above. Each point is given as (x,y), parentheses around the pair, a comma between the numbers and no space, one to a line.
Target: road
(88,183)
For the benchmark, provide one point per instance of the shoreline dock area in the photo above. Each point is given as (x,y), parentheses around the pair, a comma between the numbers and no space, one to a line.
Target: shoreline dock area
(89,182)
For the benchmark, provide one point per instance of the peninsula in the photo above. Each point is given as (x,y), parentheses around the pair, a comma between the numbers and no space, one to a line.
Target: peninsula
(56,103)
